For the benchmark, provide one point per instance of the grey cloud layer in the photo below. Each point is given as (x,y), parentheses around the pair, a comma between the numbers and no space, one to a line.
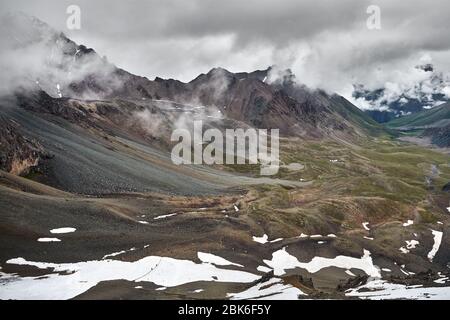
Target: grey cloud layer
(325,42)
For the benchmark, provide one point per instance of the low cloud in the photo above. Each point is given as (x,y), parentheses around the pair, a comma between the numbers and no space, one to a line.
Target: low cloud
(33,55)
(325,43)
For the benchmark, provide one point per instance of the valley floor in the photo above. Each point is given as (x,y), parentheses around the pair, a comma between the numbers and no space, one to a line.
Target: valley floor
(357,221)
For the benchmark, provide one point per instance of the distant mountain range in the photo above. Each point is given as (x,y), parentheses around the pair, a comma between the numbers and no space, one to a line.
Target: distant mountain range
(71,71)
(428,89)
(433,124)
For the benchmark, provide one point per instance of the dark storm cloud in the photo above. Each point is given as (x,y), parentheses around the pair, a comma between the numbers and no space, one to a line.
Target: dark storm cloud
(251,20)
(326,42)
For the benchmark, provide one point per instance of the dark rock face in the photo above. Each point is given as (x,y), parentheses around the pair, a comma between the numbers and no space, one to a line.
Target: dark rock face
(439,136)
(446,187)
(352,283)
(18,154)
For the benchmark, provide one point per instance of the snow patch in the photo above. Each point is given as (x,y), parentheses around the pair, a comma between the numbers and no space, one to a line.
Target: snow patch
(437,243)
(81,276)
(282,260)
(273,289)
(383,290)
(263,239)
(408,223)
(165,216)
(276,240)
(49,240)
(213,259)
(263,269)
(63,230)
(350,273)
(410,244)
(303,236)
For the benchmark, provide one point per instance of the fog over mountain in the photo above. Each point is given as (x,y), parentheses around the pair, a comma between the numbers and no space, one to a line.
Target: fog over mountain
(325,43)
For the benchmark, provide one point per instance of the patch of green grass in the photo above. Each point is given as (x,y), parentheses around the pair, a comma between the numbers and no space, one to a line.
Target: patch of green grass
(428,217)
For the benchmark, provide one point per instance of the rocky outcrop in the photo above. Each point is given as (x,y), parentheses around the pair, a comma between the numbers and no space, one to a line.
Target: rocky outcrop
(18,154)
(439,136)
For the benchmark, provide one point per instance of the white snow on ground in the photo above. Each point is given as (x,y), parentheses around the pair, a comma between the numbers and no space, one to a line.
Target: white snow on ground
(263,269)
(138,287)
(350,273)
(303,236)
(410,244)
(282,260)
(63,230)
(273,289)
(403,250)
(276,240)
(198,290)
(165,216)
(386,270)
(368,238)
(331,235)
(442,280)
(408,223)
(161,288)
(448,209)
(236,208)
(404,272)
(263,239)
(437,243)
(114,254)
(213,259)
(48,240)
(402,269)
(143,222)
(365,225)
(380,289)
(118,253)
(58,90)
(81,276)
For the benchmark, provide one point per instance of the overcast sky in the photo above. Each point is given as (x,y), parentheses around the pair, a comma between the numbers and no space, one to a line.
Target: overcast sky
(325,42)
